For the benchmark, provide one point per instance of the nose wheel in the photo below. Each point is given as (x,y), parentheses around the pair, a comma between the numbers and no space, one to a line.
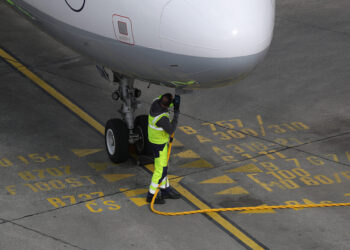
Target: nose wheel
(117,140)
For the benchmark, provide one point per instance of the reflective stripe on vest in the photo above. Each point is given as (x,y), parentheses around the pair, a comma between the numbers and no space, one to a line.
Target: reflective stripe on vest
(151,126)
(155,120)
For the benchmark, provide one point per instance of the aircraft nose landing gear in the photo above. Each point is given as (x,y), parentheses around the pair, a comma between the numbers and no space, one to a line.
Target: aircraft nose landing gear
(120,133)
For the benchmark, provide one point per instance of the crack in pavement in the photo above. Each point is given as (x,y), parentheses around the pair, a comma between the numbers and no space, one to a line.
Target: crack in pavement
(43,234)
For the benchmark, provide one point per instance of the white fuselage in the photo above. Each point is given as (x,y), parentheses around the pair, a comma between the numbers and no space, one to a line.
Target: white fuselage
(166,34)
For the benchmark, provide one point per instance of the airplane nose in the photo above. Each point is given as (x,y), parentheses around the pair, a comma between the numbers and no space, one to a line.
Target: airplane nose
(217,29)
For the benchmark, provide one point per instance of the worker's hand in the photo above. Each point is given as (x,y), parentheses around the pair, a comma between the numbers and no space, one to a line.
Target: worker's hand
(176,102)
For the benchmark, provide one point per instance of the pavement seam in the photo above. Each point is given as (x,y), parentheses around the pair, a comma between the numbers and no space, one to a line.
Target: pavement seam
(85,83)
(44,234)
(313,26)
(70,79)
(62,61)
(71,205)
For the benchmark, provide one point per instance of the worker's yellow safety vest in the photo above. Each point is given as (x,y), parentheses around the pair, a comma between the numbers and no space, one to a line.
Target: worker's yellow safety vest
(156,134)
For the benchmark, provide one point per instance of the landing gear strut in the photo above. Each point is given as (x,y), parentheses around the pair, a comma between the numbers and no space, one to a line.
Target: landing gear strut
(120,133)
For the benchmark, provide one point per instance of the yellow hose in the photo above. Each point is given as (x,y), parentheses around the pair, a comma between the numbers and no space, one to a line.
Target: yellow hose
(202,211)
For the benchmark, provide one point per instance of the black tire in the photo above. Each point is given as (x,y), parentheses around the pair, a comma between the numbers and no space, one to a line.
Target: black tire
(143,146)
(117,140)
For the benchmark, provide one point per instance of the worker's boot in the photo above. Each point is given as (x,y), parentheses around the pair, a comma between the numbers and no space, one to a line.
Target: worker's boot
(159,199)
(169,193)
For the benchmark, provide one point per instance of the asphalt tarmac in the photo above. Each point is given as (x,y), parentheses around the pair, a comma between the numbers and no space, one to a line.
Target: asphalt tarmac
(280,136)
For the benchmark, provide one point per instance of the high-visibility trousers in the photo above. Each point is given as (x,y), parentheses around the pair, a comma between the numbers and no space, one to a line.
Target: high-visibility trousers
(160,153)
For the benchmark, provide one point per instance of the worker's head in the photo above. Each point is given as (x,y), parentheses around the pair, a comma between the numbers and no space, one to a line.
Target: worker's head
(166,100)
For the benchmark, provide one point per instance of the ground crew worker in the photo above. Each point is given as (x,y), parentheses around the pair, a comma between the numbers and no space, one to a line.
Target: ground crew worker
(159,130)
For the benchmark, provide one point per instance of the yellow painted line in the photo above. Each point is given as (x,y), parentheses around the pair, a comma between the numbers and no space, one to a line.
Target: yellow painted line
(249,168)
(197,164)
(188,154)
(218,180)
(134,192)
(233,191)
(95,124)
(217,217)
(53,92)
(261,125)
(98,166)
(176,143)
(150,167)
(116,177)
(139,201)
(86,152)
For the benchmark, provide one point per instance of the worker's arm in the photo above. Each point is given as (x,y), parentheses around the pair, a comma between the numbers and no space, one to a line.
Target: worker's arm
(168,126)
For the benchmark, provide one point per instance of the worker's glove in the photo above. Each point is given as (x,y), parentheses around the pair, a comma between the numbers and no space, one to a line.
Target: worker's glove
(176,102)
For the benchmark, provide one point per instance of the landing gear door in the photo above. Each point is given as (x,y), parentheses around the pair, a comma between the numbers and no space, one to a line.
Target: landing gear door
(123,29)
